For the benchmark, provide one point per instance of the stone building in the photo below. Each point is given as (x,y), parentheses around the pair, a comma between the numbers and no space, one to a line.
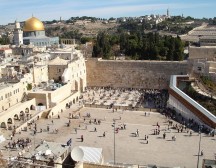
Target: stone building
(40,74)
(13,102)
(33,32)
(18,34)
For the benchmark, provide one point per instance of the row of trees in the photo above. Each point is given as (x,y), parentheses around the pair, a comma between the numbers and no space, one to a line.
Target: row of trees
(175,24)
(4,40)
(212,21)
(138,45)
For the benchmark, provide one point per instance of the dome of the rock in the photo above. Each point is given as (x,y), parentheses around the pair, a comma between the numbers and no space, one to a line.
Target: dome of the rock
(33,24)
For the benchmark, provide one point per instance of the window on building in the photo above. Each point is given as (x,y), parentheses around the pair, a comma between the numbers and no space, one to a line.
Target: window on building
(6,96)
(59,70)
(199,68)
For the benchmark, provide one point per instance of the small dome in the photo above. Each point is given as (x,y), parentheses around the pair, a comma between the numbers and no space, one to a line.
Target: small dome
(33,24)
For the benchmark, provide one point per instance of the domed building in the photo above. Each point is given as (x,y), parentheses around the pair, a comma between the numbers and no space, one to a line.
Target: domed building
(34,33)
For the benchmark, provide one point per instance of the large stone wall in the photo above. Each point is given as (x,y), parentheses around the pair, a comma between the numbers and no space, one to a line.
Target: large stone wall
(132,74)
(207,52)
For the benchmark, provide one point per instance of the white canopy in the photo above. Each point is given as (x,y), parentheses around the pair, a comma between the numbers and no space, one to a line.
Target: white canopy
(87,154)
(2,138)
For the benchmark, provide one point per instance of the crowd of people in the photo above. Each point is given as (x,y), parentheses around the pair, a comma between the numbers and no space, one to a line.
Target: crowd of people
(141,98)
(19,143)
(185,123)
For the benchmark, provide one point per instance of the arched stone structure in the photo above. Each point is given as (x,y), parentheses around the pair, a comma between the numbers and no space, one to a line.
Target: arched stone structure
(67,105)
(32,107)
(67,41)
(40,104)
(76,85)
(10,121)
(22,115)
(16,117)
(81,85)
(3,125)
(27,110)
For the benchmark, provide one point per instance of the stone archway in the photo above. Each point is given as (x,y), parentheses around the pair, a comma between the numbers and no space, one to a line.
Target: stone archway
(81,85)
(3,125)
(76,86)
(32,107)
(10,121)
(27,110)
(22,115)
(40,104)
(67,105)
(16,117)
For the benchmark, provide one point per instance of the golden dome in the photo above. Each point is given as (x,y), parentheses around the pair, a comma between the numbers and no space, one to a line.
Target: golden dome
(33,24)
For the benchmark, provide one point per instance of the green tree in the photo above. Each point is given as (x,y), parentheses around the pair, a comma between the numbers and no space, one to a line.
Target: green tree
(29,86)
(4,40)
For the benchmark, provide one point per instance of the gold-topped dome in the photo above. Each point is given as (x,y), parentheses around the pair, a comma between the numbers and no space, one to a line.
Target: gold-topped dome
(33,24)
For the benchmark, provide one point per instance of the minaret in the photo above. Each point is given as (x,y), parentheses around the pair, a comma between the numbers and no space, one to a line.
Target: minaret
(168,13)
(18,34)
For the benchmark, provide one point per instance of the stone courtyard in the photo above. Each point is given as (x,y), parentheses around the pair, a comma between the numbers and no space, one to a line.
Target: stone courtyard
(129,149)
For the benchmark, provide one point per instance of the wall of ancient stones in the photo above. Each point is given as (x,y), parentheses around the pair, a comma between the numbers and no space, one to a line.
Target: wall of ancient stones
(132,74)
(207,52)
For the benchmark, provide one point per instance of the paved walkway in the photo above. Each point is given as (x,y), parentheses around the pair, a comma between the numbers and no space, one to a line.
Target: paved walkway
(129,148)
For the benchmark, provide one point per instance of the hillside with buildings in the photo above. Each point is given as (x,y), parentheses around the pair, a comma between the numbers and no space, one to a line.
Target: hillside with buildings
(55,96)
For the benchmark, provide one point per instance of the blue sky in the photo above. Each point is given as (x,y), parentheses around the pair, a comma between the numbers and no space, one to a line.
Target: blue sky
(10,10)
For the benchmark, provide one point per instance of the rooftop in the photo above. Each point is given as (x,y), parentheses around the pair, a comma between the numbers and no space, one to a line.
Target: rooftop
(58,61)
(48,150)
(5,85)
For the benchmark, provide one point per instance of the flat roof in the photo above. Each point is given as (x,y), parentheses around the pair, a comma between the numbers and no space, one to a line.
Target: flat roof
(48,150)
(3,85)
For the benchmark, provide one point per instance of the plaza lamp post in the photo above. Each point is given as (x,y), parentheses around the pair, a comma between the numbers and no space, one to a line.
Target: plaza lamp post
(114,140)
(34,141)
(200,128)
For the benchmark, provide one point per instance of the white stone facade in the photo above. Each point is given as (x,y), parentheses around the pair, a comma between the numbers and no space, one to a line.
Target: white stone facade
(18,34)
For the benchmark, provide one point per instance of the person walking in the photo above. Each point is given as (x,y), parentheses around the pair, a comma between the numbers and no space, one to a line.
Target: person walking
(137,132)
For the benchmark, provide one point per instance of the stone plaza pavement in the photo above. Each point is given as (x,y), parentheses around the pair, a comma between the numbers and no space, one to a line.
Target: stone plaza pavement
(129,149)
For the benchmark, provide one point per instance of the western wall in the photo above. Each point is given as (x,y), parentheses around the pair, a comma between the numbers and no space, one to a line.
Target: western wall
(132,74)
